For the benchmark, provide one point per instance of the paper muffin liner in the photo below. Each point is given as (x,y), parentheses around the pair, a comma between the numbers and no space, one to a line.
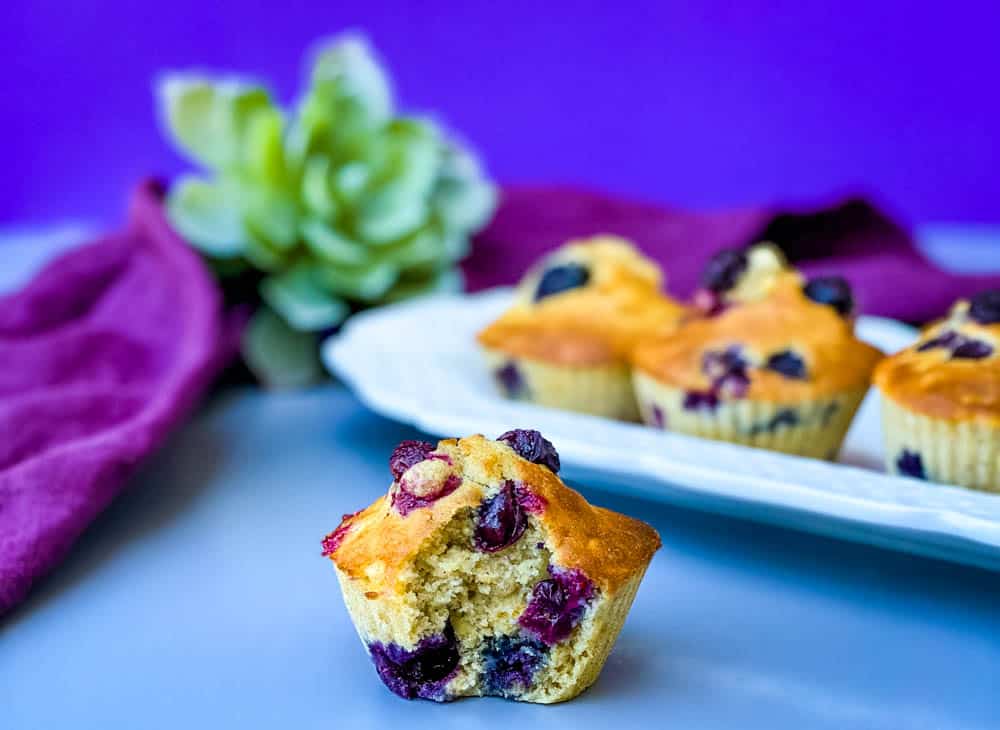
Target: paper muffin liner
(813,428)
(966,453)
(601,390)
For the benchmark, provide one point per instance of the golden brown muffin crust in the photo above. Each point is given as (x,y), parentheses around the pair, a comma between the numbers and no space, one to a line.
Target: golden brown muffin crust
(607,546)
(595,324)
(935,384)
(784,319)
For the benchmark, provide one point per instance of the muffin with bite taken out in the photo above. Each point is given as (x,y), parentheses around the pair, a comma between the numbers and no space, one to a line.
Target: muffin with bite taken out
(769,360)
(481,573)
(941,399)
(577,314)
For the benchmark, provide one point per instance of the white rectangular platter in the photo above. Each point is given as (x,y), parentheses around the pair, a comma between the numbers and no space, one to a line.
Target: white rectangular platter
(418,363)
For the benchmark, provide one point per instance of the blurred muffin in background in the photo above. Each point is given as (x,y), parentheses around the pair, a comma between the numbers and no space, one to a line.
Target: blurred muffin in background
(566,340)
(941,399)
(768,359)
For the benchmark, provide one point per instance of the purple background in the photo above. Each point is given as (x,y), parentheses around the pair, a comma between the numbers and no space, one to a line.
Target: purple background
(702,104)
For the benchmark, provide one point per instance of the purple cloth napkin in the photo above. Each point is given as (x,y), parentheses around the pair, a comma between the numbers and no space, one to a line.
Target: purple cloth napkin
(889,275)
(100,356)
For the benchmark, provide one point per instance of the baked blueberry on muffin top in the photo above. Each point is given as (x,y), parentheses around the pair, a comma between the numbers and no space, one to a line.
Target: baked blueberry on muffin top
(481,573)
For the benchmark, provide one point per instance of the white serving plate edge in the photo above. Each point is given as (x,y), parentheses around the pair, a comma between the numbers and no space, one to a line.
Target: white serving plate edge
(420,375)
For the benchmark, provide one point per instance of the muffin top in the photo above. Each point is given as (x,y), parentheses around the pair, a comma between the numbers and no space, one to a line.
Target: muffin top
(499,483)
(761,331)
(953,371)
(586,303)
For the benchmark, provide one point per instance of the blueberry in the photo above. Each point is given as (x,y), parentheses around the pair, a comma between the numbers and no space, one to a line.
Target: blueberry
(724,269)
(406,455)
(734,385)
(500,521)
(531,445)
(788,364)
(948,339)
(785,417)
(909,463)
(510,380)
(563,277)
(421,672)
(698,399)
(961,347)
(985,307)
(831,290)
(510,663)
(556,605)
(972,350)
(659,417)
(727,369)
(720,364)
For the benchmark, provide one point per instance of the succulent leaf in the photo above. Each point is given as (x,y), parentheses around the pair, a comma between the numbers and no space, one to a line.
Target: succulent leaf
(339,203)
(349,62)
(209,119)
(208,216)
(329,245)
(305,306)
(278,355)
(366,284)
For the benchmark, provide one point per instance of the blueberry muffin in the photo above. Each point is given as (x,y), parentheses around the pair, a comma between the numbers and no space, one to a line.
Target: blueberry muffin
(566,340)
(770,360)
(941,399)
(481,573)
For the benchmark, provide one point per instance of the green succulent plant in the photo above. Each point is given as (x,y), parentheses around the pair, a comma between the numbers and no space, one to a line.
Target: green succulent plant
(333,206)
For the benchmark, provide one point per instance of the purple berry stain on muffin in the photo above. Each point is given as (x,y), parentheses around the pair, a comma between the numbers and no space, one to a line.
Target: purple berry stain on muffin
(724,269)
(560,278)
(510,664)
(695,400)
(784,418)
(727,370)
(332,541)
(958,345)
(833,291)
(946,340)
(531,445)
(406,455)
(510,380)
(909,463)
(421,672)
(557,604)
(424,483)
(984,308)
(708,302)
(533,504)
(787,363)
